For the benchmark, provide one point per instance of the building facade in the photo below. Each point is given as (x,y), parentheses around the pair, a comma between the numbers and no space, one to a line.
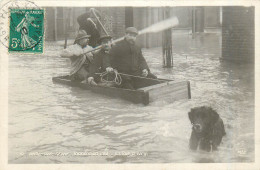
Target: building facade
(62,21)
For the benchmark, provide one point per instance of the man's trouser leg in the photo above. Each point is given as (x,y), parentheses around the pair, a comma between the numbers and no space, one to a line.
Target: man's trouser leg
(82,74)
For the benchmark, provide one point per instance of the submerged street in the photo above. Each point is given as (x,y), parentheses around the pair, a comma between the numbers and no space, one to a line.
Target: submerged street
(46,119)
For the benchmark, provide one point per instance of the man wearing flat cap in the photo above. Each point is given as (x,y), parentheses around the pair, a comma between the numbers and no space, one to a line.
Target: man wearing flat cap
(126,57)
(79,56)
(88,23)
(101,61)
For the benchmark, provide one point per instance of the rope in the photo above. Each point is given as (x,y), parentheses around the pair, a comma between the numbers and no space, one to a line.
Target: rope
(105,77)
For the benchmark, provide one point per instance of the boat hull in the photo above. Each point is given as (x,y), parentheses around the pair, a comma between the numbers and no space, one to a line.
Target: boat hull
(148,90)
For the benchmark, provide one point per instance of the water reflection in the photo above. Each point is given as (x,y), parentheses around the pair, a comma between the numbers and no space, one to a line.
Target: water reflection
(51,118)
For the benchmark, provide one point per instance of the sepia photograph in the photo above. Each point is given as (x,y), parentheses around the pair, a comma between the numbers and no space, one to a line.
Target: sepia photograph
(129,84)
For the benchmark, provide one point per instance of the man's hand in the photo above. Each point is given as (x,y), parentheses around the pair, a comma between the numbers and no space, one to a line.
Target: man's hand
(109,69)
(115,70)
(76,52)
(145,72)
(91,81)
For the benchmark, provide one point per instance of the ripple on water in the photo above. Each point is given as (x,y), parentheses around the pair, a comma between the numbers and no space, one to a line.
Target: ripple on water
(45,117)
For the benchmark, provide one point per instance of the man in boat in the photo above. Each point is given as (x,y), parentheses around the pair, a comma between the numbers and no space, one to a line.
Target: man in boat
(101,61)
(88,23)
(126,57)
(80,57)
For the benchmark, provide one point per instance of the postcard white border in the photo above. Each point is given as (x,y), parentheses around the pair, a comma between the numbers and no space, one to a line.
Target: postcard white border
(184,166)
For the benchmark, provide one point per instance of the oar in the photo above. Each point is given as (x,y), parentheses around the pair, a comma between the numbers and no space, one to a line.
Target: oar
(66,29)
(157,27)
(100,46)
(161,25)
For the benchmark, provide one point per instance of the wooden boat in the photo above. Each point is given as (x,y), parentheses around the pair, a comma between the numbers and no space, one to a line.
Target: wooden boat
(148,90)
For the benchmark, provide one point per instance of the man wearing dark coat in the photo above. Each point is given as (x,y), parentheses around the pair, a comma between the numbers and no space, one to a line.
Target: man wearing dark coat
(101,61)
(126,57)
(88,23)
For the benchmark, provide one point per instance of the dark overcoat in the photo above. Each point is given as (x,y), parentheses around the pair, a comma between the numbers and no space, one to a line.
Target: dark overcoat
(127,58)
(99,63)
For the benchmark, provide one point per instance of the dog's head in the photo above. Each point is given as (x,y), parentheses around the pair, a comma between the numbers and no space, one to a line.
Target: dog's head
(202,118)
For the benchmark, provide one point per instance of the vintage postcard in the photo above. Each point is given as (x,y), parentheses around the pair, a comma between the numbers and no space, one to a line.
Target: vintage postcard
(129,85)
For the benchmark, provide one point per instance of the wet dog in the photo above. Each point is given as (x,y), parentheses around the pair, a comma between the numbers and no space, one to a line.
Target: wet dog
(207,129)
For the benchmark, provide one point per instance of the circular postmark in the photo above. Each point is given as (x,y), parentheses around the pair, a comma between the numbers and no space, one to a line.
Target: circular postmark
(22,26)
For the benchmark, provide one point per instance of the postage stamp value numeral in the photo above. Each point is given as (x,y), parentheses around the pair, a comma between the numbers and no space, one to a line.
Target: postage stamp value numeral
(26,30)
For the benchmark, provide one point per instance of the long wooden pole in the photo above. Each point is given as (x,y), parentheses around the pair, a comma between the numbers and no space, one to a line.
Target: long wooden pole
(66,29)
(55,24)
(157,27)
(193,22)
(167,42)
(100,46)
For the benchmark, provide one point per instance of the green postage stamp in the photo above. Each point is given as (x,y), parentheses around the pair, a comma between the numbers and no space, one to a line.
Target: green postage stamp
(26,30)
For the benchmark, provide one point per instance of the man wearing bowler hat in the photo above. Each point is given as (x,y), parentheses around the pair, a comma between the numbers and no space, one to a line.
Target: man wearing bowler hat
(79,56)
(88,23)
(101,61)
(126,57)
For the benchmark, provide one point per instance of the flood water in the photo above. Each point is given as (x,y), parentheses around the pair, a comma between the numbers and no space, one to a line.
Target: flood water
(53,123)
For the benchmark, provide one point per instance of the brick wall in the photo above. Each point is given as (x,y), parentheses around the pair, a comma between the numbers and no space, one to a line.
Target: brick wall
(119,22)
(113,20)
(238,34)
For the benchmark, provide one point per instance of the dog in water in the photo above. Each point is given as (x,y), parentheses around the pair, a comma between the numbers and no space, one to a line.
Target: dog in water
(207,129)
